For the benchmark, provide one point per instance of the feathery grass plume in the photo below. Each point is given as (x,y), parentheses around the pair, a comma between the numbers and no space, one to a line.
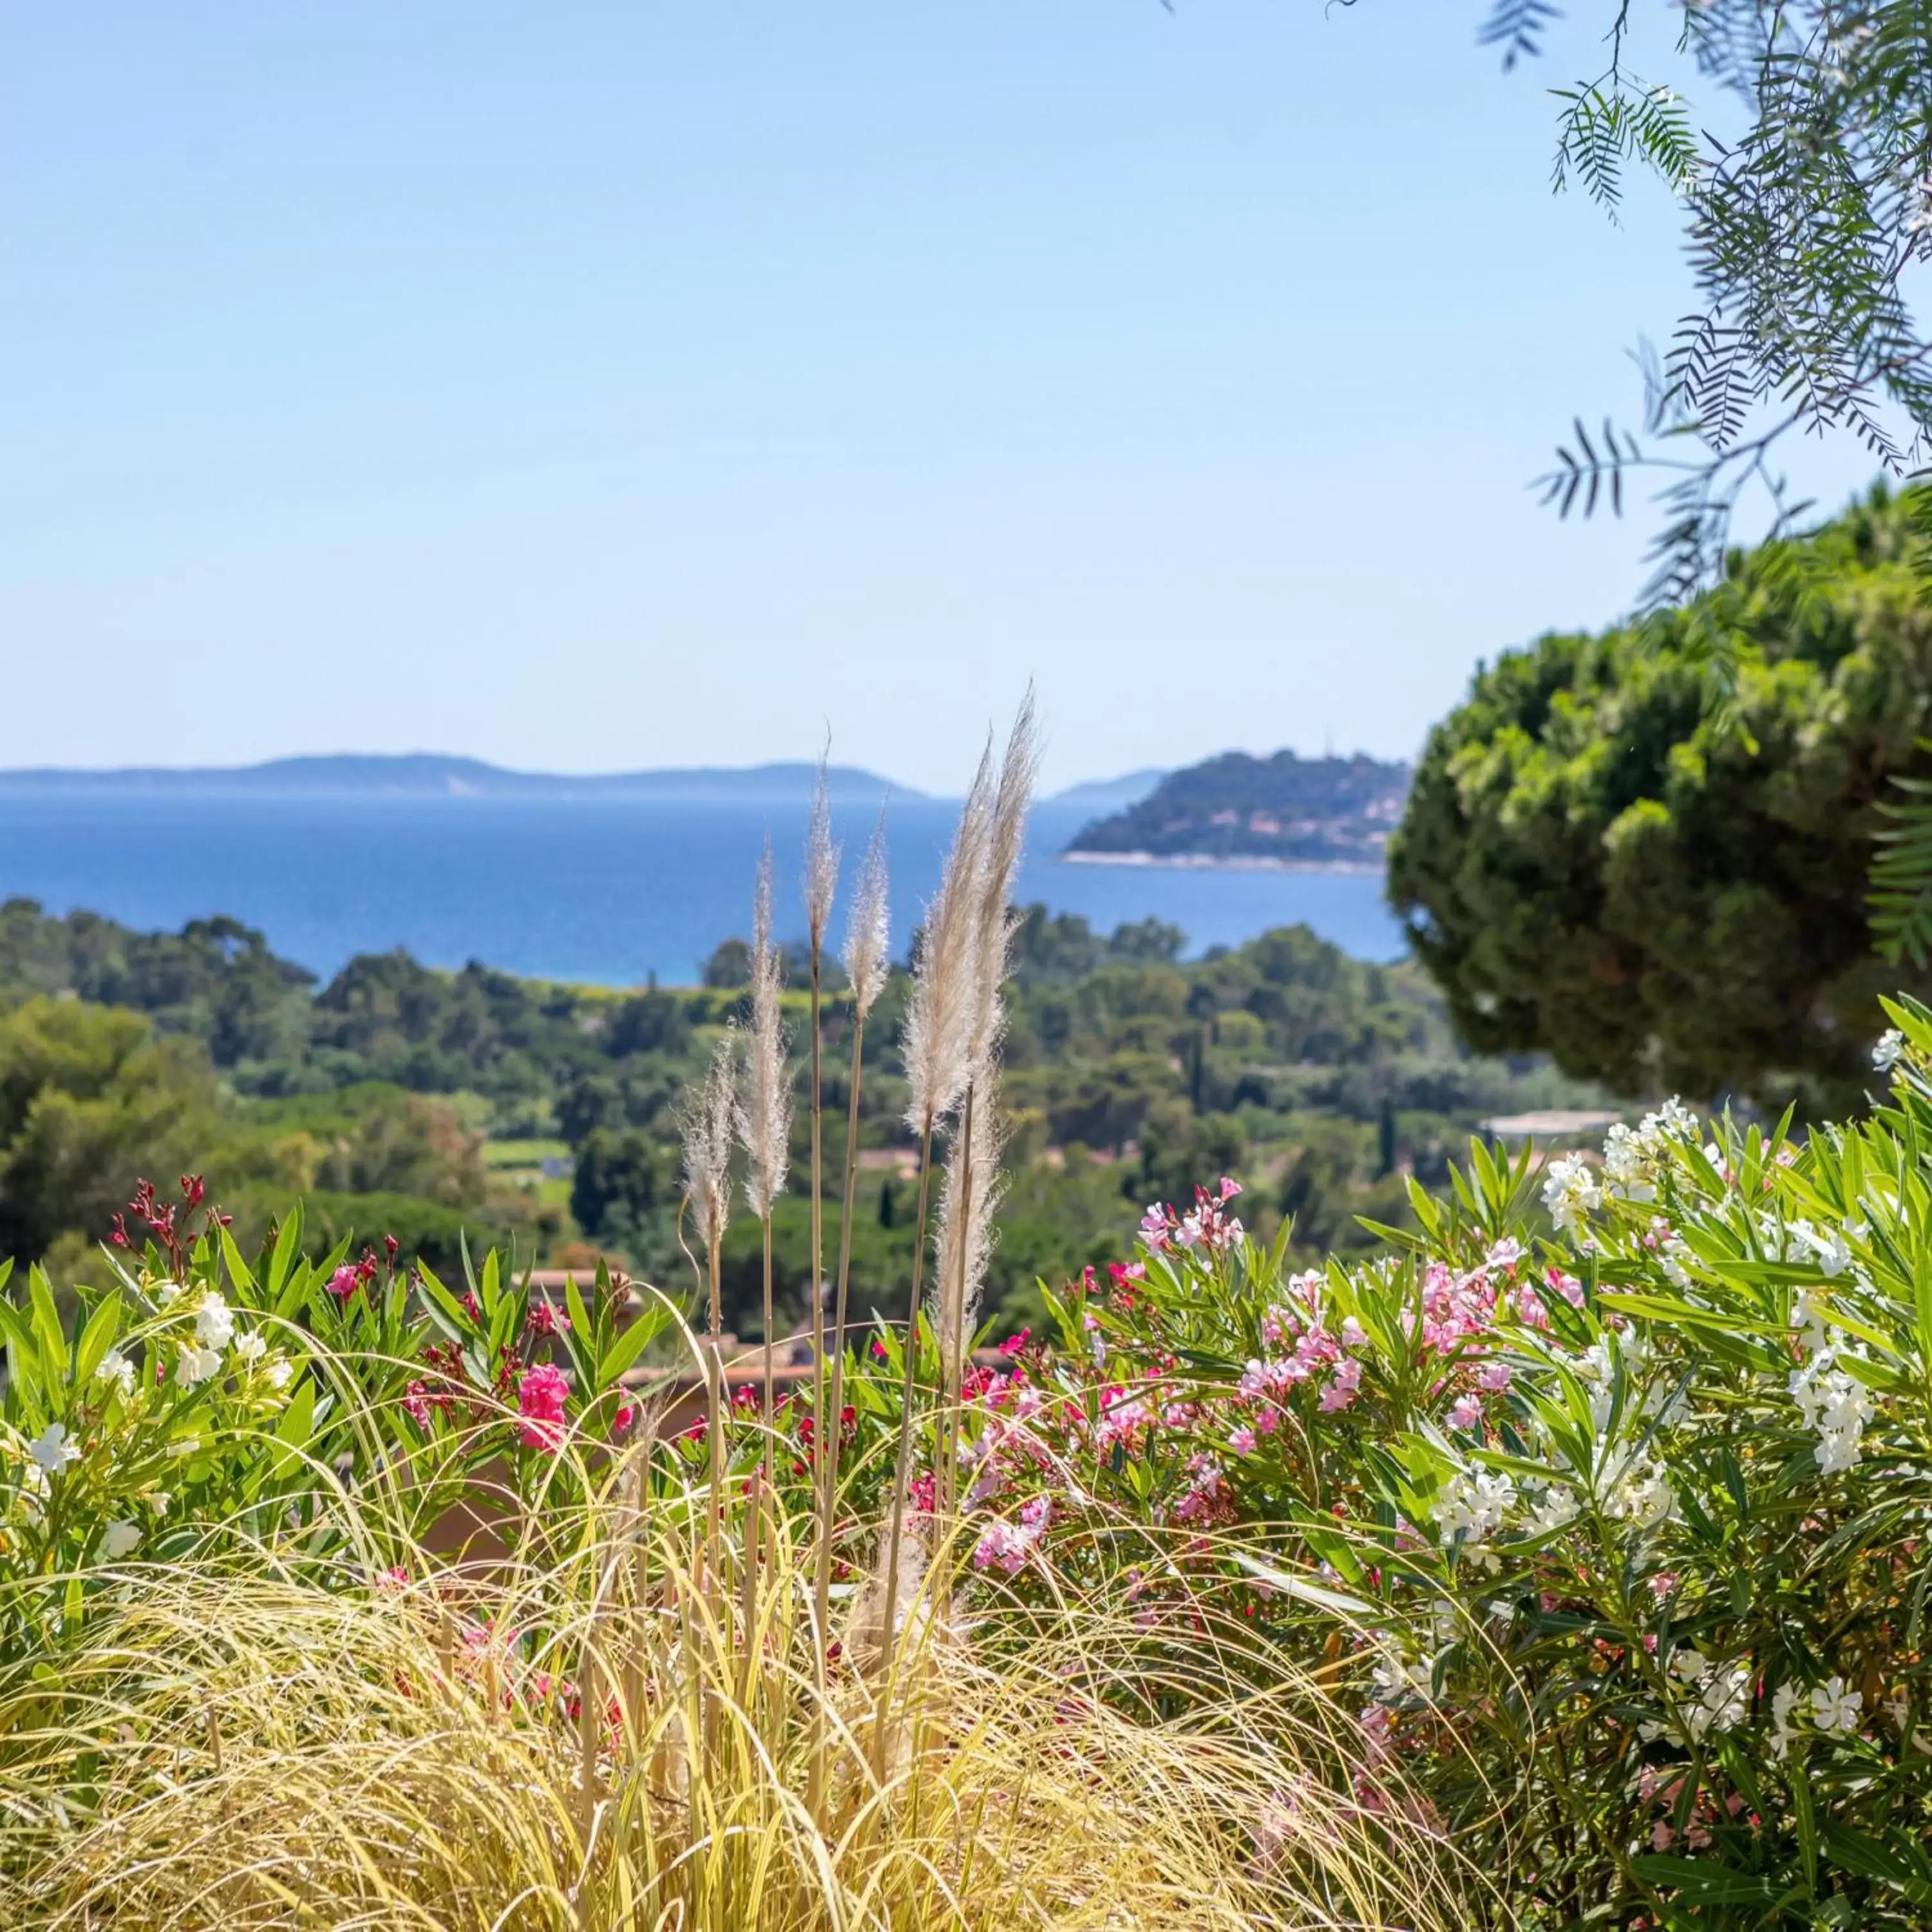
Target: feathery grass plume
(972,1176)
(936,1044)
(709,1117)
(869,934)
(254,1748)
(764,1113)
(936,1047)
(868,963)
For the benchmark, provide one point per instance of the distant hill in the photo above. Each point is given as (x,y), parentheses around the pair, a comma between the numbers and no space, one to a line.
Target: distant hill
(431,774)
(1105,795)
(1240,810)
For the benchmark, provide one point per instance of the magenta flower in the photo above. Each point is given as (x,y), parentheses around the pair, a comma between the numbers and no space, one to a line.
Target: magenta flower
(343,1282)
(1467,1413)
(540,1394)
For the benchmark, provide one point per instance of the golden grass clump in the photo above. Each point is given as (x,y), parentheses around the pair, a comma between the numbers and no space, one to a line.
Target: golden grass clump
(583,1743)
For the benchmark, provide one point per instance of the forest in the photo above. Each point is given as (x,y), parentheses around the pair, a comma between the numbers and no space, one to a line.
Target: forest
(437,1106)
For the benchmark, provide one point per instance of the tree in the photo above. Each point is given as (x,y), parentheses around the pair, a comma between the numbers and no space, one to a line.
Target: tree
(621,1177)
(1594,865)
(90,1101)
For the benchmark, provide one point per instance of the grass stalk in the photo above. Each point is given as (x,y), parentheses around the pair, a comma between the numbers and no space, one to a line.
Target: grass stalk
(902,1460)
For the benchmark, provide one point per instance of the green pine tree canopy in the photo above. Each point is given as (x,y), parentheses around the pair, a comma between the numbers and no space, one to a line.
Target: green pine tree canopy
(1598,863)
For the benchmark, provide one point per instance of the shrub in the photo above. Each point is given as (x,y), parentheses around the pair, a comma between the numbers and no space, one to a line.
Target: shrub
(1615,1480)
(201,1403)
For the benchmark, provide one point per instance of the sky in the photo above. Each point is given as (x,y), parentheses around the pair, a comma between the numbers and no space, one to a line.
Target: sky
(596,386)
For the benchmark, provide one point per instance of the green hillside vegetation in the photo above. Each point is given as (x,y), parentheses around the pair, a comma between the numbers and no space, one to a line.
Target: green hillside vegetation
(398,1099)
(1306,811)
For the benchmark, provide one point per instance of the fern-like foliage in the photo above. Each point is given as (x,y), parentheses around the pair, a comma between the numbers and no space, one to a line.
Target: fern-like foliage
(1517,26)
(1900,900)
(1808,236)
(1603,126)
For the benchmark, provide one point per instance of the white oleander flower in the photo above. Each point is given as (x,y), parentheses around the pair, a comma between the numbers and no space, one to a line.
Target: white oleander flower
(118,1540)
(214,1322)
(116,1367)
(195,1365)
(1554,1505)
(1470,1506)
(1783,1732)
(1888,1050)
(1690,1666)
(278,1371)
(250,1347)
(1570,1192)
(53,1450)
(1724,1703)
(1835,1708)
(1396,1677)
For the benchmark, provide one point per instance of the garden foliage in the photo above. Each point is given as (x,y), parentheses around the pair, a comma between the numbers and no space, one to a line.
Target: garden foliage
(1603,1498)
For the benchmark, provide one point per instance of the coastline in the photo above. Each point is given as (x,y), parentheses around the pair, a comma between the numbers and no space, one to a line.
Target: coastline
(1201,861)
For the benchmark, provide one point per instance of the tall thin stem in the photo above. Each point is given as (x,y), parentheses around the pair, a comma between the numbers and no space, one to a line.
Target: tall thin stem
(831,1439)
(715,1430)
(817,1201)
(902,1466)
(953,1327)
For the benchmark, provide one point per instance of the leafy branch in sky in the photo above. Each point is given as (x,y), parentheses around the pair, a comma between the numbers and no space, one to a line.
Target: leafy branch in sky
(1804,231)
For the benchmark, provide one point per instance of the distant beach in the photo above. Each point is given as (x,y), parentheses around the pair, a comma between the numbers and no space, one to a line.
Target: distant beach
(1203,862)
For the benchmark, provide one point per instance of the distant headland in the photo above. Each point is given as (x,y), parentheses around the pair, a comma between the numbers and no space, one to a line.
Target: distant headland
(1284,812)
(434,775)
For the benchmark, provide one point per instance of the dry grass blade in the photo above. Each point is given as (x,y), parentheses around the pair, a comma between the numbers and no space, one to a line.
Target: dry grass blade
(373,1773)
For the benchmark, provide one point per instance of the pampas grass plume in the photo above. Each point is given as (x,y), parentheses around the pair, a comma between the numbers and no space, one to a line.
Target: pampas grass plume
(764,1117)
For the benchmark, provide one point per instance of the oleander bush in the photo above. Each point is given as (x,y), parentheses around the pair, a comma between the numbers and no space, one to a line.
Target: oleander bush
(1614,1479)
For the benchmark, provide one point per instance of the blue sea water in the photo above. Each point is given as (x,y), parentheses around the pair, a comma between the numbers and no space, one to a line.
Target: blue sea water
(595,891)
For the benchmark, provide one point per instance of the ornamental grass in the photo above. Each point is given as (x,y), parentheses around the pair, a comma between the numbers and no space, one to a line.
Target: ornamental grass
(576,1736)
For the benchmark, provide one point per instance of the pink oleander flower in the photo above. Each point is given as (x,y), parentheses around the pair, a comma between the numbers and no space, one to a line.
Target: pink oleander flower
(1567,1286)
(540,1394)
(344,1282)
(1007,1546)
(626,1414)
(416,1404)
(1504,1254)
(541,1318)
(1344,1388)
(1493,1377)
(1241,1440)
(1529,1306)
(1467,1413)
(1229,1188)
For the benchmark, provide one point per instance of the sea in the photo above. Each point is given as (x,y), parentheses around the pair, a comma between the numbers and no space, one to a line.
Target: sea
(593,891)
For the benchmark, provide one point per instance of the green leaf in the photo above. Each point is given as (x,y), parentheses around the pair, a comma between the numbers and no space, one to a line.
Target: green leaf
(1300,1589)
(47,1329)
(288,1244)
(96,1339)
(296,1428)
(442,1308)
(644,1327)
(1704,1881)
(580,1315)
(237,1269)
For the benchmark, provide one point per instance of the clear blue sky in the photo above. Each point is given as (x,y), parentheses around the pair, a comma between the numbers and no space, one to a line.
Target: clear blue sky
(585,386)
